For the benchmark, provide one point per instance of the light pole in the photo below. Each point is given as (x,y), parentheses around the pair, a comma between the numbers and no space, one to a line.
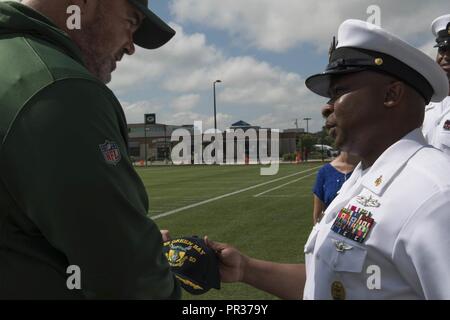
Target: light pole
(145,143)
(215,118)
(165,143)
(307,124)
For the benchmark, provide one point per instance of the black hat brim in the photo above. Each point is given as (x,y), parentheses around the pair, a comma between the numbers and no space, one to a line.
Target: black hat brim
(153,32)
(320,83)
(443,44)
(215,283)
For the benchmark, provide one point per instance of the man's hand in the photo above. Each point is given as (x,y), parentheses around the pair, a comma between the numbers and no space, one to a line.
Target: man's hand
(165,235)
(285,281)
(232,262)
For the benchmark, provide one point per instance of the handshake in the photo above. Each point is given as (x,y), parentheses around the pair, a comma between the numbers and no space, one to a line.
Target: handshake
(194,264)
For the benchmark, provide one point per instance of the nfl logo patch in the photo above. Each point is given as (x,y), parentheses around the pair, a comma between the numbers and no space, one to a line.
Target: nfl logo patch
(111,152)
(447,125)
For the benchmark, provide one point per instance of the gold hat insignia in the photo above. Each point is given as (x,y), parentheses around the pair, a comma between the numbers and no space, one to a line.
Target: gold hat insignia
(379,61)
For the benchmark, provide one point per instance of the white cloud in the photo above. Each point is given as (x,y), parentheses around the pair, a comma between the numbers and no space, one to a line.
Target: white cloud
(179,76)
(428,48)
(283,24)
(207,121)
(186,102)
(134,112)
(169,65)
(184,72)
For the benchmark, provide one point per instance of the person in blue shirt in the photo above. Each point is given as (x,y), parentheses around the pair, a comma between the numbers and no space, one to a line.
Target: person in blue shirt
(329,181)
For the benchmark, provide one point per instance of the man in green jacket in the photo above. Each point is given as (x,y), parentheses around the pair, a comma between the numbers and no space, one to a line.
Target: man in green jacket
(72,208)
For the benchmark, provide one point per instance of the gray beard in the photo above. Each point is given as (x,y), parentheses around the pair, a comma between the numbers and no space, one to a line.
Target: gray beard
(86,39)
(100,69)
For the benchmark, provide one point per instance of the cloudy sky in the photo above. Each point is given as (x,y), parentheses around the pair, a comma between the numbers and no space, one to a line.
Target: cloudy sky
(262,50)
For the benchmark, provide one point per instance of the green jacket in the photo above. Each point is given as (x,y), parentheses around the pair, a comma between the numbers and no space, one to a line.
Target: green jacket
(68,192)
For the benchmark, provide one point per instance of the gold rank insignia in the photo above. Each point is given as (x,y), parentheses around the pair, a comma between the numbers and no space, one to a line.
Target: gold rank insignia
(379,181)
(337,290)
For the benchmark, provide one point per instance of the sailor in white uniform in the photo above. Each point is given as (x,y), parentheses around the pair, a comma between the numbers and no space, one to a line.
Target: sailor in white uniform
(436,126)
(386,235)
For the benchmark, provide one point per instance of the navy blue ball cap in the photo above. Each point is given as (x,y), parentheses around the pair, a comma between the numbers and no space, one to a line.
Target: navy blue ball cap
(153,32)
(195,265)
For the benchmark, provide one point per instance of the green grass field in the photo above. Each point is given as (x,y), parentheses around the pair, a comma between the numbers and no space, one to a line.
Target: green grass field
(273,225)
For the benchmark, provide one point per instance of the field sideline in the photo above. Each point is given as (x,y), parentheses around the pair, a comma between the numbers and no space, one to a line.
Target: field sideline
(267,217)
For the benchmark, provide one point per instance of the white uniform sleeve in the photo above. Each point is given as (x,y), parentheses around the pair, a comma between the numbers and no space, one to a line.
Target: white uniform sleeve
(422,249)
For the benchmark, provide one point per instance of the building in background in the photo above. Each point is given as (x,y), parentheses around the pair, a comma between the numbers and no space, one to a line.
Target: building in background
(159,145)
(289,140)
(157,137)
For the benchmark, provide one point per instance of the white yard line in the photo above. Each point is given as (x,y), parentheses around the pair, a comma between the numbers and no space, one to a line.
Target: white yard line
(278,196)
(283,185)
(169,213)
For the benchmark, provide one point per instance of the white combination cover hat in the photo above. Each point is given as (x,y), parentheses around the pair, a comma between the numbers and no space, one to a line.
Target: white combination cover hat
(441,30)
(363,46)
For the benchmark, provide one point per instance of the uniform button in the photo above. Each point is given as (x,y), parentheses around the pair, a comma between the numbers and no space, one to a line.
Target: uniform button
(338,290)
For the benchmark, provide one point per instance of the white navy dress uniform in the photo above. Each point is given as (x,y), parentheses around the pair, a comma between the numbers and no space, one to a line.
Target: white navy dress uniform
(436,127)
(386,235)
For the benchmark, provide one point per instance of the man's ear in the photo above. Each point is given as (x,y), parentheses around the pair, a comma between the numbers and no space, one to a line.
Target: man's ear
(394,94)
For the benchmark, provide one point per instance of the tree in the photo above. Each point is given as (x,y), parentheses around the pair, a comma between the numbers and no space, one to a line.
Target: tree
(327,139)
(306,143)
